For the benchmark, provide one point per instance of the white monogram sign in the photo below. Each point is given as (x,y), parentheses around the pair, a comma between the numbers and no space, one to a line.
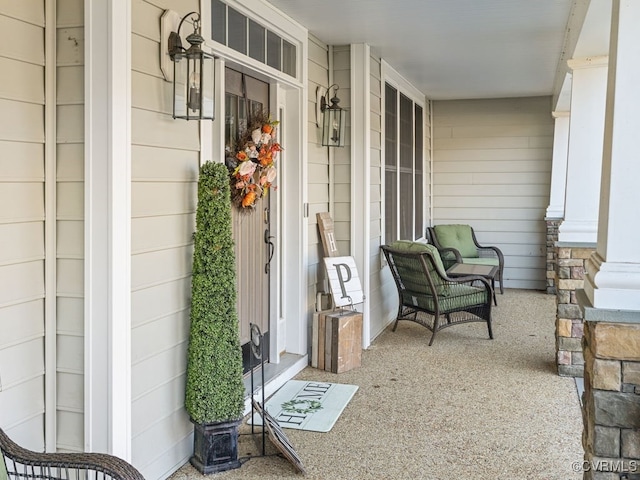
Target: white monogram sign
(344,281)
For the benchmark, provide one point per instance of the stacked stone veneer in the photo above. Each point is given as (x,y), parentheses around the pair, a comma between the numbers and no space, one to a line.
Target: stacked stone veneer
(611,401)
(570,270)
(552,253)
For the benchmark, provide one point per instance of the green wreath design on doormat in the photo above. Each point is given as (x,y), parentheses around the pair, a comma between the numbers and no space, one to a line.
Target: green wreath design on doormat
(294,406)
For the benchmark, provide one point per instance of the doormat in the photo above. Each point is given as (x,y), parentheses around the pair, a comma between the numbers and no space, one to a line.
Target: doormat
(313,406)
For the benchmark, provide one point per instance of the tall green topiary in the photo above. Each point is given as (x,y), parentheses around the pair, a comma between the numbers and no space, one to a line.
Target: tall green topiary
(215,390)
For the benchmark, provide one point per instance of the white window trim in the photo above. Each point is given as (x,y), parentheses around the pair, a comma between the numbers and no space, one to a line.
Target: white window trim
(393,78)
(272,19)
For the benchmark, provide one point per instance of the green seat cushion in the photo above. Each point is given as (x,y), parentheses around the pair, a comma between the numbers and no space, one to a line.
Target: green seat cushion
(460,296)
(482,261)
(458,237)
(3,469)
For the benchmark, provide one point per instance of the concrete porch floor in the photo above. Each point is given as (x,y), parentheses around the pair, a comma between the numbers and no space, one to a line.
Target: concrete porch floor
(466,407)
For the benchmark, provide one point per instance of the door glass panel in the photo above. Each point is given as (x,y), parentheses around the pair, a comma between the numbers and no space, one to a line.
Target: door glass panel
(234,118)
(244,97)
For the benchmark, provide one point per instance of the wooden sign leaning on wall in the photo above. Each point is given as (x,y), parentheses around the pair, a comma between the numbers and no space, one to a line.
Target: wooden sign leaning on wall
(344,281)
(327,234)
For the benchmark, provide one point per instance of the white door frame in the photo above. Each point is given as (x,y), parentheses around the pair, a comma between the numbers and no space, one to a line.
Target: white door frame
(289,297)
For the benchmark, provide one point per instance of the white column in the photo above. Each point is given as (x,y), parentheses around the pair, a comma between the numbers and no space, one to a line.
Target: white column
(559,165)
(613,271)
(361,168)
(107,227)
(586,130)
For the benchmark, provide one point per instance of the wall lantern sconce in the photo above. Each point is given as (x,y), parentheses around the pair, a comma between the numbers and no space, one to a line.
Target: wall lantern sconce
(333,117)
(193,74)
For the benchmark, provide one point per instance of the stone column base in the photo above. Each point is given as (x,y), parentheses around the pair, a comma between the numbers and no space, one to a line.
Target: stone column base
(611,399)
(569,328)
(552,253)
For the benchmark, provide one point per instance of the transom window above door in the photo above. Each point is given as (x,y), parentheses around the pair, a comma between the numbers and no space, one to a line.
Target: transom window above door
(248,37)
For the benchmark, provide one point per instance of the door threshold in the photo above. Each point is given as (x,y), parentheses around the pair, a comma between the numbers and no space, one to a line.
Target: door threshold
(275,376)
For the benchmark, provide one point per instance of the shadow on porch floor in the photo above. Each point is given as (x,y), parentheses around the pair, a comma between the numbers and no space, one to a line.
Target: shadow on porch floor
(466,407)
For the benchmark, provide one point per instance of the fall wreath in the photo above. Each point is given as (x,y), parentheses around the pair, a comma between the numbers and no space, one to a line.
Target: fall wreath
(252,169)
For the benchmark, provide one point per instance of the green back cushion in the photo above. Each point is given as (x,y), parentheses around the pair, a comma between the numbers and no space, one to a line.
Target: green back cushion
(458,237)
(3,469)
(409,246)
(416,281)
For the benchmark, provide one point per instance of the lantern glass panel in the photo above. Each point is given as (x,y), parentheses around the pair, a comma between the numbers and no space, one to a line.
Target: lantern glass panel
(180,88)
(333,127)
(193,87)
(194,90)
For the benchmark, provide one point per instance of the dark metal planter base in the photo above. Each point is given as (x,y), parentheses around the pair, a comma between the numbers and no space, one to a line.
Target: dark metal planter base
(215,447)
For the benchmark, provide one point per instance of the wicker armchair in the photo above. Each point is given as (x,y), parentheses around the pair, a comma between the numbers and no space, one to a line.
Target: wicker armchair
(458,244)
(19,463)
(428,297)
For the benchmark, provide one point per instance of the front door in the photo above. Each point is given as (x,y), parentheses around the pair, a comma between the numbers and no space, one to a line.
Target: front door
(246,96)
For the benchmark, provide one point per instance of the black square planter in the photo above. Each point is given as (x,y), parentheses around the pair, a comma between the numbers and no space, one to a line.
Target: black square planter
(215,447)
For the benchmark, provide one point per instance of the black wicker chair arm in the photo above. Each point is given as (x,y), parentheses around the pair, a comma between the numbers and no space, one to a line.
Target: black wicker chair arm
(493,251)
(21,463)
(468,279)
(444,250)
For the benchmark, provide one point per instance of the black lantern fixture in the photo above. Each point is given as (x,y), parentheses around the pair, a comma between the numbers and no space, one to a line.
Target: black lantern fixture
(193,75)
(333,119)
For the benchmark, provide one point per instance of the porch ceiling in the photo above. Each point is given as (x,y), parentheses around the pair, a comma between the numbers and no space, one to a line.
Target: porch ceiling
(450,49)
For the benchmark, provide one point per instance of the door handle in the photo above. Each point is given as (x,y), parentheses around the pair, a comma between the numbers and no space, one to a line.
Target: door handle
(272,248)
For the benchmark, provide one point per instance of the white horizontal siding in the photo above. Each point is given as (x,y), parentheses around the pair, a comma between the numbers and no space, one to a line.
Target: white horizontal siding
(492,170)
(161,266)
(22,222)
(318,170)
(159,300)
(160,232)
(69,423)
(19,38)
(342,156)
